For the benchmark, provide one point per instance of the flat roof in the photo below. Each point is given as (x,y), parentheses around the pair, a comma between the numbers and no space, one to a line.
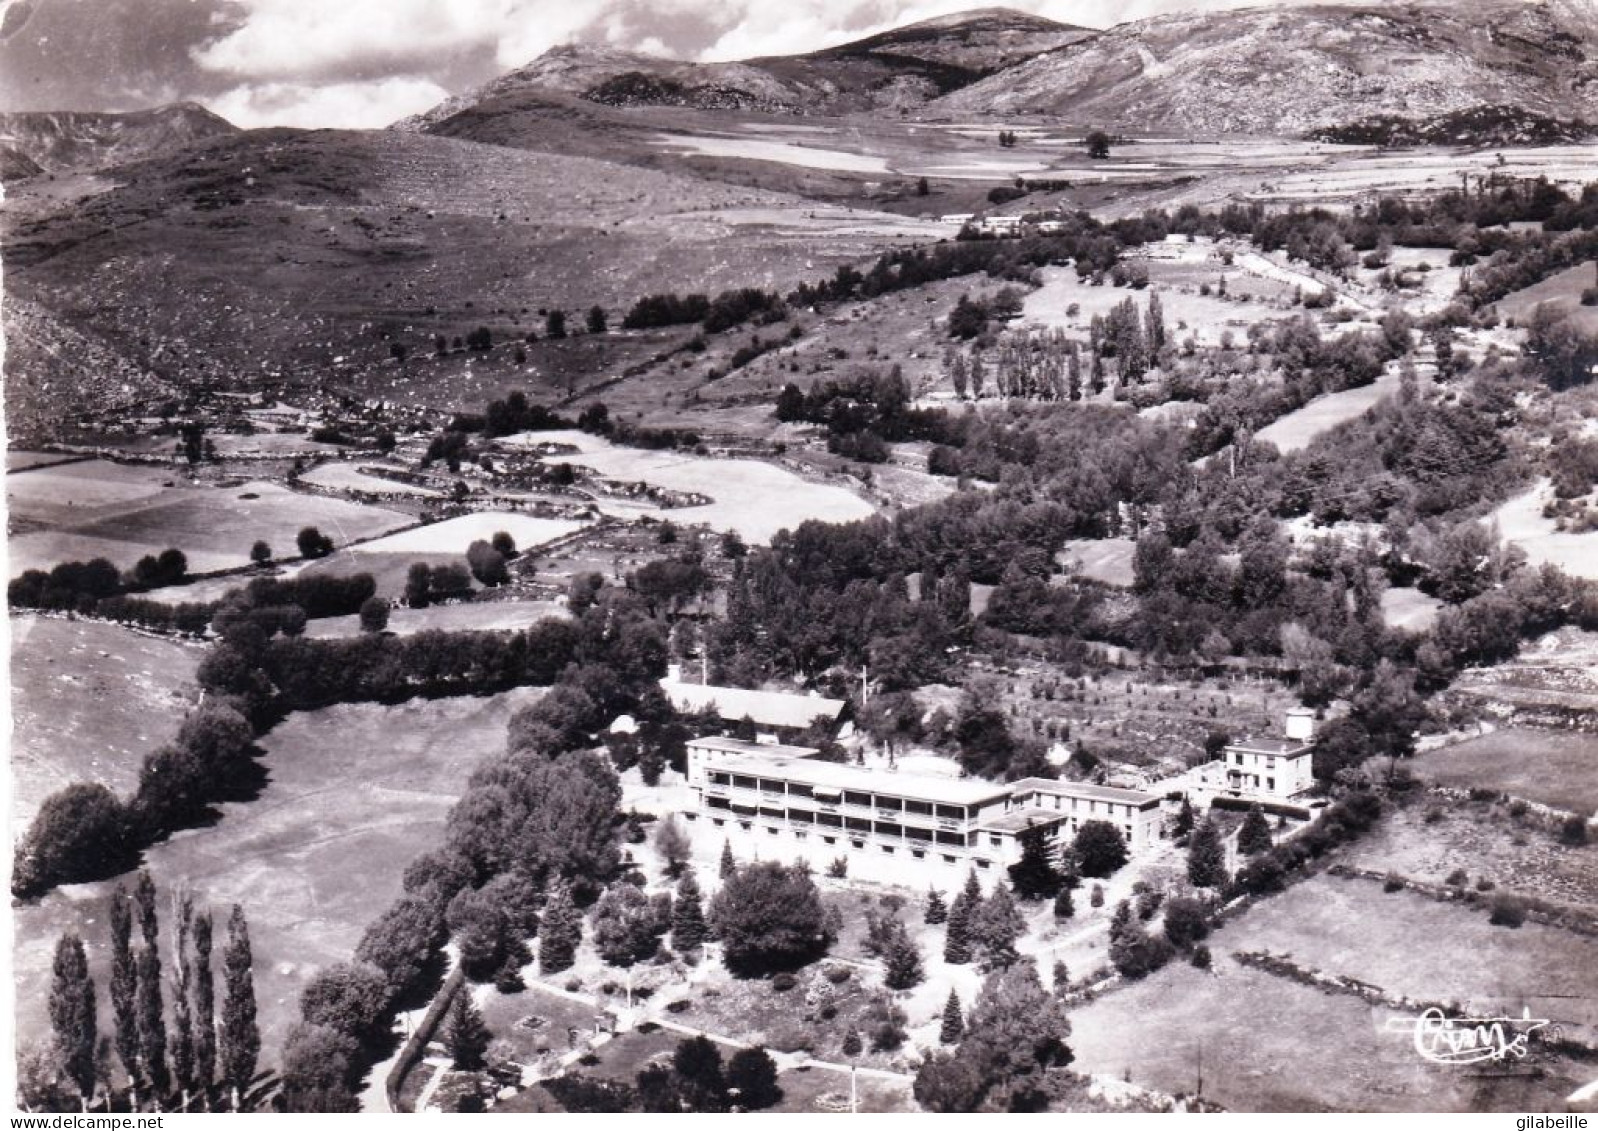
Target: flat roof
(743,746)
(1281,747)
(1019,820)
(807,770)
(768,708)
(1087,790)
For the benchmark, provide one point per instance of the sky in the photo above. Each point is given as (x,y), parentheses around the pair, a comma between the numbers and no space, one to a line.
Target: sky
(367,63)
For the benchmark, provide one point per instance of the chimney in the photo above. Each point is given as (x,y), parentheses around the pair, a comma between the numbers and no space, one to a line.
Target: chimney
(1301,724)
(674,673)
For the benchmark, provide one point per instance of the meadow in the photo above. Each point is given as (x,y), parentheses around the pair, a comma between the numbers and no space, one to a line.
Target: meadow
(88,701)
(1558,768)
(123,512)
(1262,1042)
(352,794)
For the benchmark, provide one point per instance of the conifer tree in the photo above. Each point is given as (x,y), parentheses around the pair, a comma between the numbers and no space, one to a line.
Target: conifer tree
(901,959)
(204,1008)
(465,1035)
(1034,877)
(1064,908)
(1206,857)
(560,932)
(72,1015)
(688,929)
(125,989)
(1062,978)
(728,864)
(937,910)
(241,1036)
(953,1021)
(996,928)
(1184,819)
(957,938)
(1255,835)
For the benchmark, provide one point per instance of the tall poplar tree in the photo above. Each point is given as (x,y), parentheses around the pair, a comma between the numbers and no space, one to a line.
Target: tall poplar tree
(125,990)
(72,1014)
(182,1050)
(204,1008)
(241,1037)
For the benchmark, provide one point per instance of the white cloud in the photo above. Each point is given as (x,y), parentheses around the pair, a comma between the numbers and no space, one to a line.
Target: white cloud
(343,105)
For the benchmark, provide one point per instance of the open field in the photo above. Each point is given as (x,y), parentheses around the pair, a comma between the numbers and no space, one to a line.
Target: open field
(353,793)
(1266,1043)
(466,616)
(1108,560)
(346,477)
(754,498)
(1404,607)
(1299,428)
(1558,768)
(454,535)
(27,461)
(1521,523)
(1562,291)
(1484,839)
(102,509)
(88,701)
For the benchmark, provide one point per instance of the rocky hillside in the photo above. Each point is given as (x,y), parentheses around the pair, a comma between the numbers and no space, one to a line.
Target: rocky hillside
(902,68)
(57,141)
(1290,70)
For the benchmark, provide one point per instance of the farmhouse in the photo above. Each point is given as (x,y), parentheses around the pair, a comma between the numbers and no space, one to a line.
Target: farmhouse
(773,710)
(1000,225)
(778,802)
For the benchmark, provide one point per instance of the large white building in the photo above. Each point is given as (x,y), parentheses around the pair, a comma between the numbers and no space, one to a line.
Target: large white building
(773,802)
(772,710)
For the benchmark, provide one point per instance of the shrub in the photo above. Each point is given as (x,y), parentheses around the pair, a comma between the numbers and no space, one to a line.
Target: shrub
(1573,831)
(784,982)
(1507,910)
(1458,878)
(838,975)
(1393,882)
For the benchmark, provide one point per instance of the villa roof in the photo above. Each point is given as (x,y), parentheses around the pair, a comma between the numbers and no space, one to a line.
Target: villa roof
(771,762)
(1087,790)
(767,708)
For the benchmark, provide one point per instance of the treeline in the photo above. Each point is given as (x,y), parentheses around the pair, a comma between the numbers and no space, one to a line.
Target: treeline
(728,309)
(79,586)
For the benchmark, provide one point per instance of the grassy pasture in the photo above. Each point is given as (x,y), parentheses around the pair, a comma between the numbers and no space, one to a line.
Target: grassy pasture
(454,535)
(469,616)
(1108,560)
(102,509)
(1520,521)
(353,793)
(1557,768)
(1409,608)
(88,701)
(1563,291)
(1267,1043)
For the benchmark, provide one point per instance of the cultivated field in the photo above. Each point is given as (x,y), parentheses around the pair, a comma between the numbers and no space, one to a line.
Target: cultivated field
(102,509)
(454,535)
(88,701)
(354,793)
(753,498)
(1266,1043)
(1299,428)
(1405,607)
(1558,768)
(1108,560)
(346,477)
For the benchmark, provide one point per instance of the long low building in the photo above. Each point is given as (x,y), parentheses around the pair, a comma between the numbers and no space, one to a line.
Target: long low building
(773,802)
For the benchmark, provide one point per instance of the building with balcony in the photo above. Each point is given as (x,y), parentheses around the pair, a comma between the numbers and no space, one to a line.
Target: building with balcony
(773,802)
(1273,768)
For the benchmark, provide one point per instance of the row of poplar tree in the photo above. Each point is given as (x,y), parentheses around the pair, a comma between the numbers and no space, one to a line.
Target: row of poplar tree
(194,1053)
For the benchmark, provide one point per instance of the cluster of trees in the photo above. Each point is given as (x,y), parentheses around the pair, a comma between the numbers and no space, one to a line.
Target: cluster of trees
(728,309)
(871,402)
(696,1080)
(1012,1046)
(81,586)
(982,930)
(175,1053)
